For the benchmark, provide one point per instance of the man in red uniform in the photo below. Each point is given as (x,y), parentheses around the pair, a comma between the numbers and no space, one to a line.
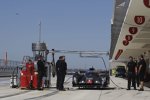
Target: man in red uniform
(30,67)
(30,72)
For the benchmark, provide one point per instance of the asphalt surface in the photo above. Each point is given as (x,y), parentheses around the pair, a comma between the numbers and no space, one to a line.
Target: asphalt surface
(112,93)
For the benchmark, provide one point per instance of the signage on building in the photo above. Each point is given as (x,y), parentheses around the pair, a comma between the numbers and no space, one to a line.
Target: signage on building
(125,42)
(147,3)
(120,51)
(133,30)
(128,37)
(139,20)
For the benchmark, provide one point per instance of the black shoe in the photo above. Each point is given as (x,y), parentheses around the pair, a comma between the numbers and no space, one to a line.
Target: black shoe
(135,88)
(128,89)
(62,90)
(141,89)
(40,89)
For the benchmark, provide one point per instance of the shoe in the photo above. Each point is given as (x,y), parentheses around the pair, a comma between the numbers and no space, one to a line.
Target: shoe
(40,89)
(141,89)
(62,90)
(135,88)
(128,89)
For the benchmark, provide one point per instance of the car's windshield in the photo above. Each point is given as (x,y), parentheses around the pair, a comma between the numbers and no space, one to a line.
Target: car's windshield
(91,74)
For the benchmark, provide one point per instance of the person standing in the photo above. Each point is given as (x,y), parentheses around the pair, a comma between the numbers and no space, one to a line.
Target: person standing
(61,68)
(137,75)
(30,72)
(142,70)
(58,64)
(131,66)
(41,72)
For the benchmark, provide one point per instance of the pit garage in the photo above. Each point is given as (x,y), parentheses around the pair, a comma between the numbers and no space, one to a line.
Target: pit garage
(130,32)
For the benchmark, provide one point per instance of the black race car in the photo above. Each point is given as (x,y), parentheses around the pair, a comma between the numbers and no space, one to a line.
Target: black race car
(91,78)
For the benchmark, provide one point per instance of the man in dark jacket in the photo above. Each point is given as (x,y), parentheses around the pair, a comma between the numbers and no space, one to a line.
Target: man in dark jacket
(131,66)
(61,68)
(137,75)
(142,71)
(41,72)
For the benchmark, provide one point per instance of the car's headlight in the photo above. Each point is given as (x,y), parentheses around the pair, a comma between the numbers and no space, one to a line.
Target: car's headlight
(82,81)
(97,81)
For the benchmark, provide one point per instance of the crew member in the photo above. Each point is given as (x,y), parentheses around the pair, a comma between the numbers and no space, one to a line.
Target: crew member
(30,72)
(41,72)
(142,70)
(131,66)
(137,75)
(58,64)
(61,68)
(30,67)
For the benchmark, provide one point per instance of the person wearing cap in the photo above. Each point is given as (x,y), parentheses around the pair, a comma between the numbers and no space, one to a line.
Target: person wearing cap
(41,72)
(131,66)
(61,68)
(142,71)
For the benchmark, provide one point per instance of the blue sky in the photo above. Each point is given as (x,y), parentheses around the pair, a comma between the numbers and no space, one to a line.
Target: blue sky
(66,24)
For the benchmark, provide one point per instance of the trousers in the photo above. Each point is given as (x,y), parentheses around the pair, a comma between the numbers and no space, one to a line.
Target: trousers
(131,78)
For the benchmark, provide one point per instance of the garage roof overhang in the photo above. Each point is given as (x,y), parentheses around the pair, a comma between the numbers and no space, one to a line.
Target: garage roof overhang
(120,8)
(134,36)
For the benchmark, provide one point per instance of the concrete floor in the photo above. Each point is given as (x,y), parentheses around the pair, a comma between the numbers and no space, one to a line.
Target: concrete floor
(111,93)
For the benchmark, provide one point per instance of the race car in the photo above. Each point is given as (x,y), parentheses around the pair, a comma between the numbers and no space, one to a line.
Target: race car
(91,79)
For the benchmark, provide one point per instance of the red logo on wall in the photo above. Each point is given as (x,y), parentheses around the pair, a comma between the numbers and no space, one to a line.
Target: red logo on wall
(133,30)
(120,51)
(147,3)
(139,20)
(128,37)
(125,42)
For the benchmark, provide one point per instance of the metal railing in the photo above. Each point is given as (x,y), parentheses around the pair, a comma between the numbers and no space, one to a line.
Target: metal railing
(6,68)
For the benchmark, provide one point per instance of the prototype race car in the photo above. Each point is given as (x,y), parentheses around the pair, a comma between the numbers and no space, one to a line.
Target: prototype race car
(91,78)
